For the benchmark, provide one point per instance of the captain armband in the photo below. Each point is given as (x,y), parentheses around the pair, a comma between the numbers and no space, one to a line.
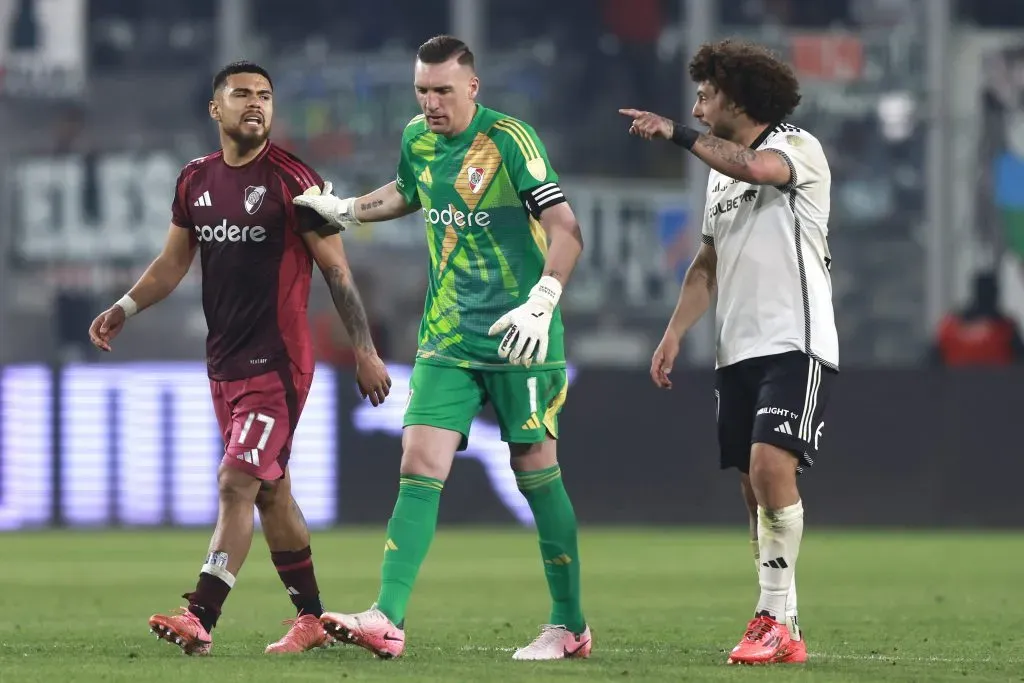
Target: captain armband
(542,197)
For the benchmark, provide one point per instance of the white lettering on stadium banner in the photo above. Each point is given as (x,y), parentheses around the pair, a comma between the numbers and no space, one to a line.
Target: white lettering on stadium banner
(137,435)
(126,218)
(26,440)
(139,445)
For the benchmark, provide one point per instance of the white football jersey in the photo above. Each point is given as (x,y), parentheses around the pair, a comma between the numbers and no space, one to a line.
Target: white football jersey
(774,287)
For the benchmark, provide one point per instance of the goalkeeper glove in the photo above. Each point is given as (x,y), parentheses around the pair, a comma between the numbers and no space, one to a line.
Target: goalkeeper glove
(341,213)
(527,326)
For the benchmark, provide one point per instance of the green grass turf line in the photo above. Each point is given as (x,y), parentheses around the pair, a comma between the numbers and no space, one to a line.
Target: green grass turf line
(664,604)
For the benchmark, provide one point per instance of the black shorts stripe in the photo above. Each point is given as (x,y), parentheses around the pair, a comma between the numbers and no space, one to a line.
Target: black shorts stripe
(291,400)
(806,430)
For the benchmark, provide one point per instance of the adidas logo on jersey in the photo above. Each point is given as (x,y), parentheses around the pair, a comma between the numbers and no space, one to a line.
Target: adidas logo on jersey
(204,200)
(784,428)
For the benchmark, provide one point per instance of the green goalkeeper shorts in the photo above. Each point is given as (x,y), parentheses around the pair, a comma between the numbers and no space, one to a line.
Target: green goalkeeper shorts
(526,403)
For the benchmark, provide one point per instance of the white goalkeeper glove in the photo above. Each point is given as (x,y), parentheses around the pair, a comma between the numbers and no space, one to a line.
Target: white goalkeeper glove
(526,339)
(341,213)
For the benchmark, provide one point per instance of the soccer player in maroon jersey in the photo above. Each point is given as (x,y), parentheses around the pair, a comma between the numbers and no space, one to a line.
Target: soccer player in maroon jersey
(257,250)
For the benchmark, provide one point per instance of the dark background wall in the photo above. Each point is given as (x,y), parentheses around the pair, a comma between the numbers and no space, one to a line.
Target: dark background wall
(899,448)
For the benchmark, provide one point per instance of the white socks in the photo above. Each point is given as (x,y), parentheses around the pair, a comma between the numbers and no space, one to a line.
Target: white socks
(792,620)
(778,539)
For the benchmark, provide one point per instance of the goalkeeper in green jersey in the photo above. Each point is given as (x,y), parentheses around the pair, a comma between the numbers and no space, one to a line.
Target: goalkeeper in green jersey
(503,242)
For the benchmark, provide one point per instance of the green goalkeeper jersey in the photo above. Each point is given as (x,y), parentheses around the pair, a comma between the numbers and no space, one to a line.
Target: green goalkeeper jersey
(481,192)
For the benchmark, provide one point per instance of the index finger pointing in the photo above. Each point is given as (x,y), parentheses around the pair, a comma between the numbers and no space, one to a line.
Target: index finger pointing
(630,112)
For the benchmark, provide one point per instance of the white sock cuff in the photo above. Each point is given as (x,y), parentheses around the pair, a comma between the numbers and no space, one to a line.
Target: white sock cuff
(221,573)
(781,518)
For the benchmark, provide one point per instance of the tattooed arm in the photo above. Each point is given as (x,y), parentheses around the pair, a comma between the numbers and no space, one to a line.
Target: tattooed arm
(350,307)
(382,204)
(329,254)
(758,167)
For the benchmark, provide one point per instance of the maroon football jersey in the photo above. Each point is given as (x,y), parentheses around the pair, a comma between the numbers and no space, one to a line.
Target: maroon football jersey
(256,268)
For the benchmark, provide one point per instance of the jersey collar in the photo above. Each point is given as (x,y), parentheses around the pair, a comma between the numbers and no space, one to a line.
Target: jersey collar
(263,153)
(764,135)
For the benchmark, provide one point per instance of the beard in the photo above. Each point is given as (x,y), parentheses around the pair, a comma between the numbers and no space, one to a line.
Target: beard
(724,132)
(247,139)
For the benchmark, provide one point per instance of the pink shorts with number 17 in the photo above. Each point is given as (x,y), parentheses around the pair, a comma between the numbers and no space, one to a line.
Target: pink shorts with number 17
(258,416)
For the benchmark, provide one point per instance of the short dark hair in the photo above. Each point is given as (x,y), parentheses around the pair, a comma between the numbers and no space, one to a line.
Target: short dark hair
(440,49)
(751,76)
(239,67)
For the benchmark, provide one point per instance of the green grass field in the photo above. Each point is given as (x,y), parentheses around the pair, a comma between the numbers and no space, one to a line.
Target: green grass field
(664,605)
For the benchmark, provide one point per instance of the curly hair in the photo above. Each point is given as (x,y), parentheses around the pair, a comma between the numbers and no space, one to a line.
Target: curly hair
(752,77)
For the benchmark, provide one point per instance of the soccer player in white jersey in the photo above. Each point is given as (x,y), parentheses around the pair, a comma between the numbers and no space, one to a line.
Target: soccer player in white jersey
(764,250)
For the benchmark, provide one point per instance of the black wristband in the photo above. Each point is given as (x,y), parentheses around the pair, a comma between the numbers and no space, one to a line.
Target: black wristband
(684,136)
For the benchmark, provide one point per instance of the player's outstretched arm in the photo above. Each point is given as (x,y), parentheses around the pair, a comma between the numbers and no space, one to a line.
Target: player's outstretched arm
(694,299)
(383,204)
(160,279)
(329,254)
(758,167)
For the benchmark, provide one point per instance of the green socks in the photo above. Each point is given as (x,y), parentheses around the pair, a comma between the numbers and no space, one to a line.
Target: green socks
(556,529)
(414,520)
(410,531)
